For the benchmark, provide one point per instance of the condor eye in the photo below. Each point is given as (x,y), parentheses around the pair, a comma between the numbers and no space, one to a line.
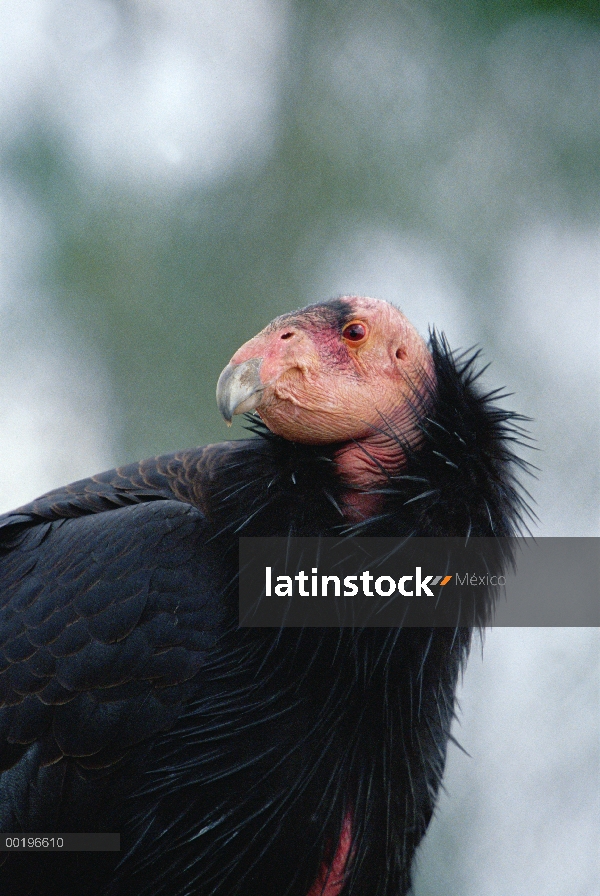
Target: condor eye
(354,333)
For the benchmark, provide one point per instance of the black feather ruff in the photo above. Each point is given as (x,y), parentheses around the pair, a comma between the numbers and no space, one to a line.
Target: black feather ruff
(295,729)
(285,733)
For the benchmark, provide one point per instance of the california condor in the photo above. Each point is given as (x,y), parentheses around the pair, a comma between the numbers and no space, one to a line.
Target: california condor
(246,762)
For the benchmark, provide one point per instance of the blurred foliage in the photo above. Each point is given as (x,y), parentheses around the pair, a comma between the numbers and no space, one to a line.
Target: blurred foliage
(167,281)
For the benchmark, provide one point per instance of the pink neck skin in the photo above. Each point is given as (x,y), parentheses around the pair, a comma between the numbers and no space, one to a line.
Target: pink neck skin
(365,472)
(366,464)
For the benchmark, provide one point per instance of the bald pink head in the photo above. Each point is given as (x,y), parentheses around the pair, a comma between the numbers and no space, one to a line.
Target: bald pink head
(352,372)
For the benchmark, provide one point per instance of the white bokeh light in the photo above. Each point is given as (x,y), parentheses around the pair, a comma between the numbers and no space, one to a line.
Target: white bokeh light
(170,90)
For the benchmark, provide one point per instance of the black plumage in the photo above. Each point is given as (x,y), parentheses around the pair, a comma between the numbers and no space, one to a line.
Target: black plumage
(229,760)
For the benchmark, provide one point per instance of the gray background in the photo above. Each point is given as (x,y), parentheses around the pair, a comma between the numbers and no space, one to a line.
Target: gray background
(173,174)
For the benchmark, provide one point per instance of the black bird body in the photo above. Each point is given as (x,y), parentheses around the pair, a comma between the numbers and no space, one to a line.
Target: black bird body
(228,759)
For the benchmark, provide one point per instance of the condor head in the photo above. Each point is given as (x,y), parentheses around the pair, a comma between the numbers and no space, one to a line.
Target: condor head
(352,372)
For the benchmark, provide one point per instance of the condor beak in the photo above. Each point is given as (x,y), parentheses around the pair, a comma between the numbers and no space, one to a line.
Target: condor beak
(239,388)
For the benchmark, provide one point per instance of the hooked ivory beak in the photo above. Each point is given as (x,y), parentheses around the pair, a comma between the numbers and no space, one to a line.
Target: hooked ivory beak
(239,388)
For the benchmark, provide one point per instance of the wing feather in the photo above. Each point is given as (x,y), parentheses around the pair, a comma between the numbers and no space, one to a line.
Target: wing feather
(109,606)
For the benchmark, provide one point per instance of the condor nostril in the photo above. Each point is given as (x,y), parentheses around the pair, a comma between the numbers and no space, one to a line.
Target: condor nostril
(286,335)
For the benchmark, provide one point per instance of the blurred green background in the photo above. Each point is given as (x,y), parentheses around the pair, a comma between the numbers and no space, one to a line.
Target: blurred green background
(175,174)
